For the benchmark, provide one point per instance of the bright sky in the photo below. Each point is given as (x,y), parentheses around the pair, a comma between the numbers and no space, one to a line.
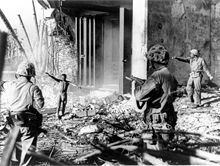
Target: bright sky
(11,9)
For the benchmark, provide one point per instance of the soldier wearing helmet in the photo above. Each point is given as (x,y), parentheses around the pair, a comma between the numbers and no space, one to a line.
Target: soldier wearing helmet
(198,66)
(158,93)
(26,69)
(24,99)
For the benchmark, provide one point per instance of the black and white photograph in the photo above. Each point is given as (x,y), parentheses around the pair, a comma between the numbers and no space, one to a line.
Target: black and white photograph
(109,82)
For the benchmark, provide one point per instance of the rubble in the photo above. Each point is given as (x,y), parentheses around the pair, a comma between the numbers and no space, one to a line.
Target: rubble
(109,130)
(89,129)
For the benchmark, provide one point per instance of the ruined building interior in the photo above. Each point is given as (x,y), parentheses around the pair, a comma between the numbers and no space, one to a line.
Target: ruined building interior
(100,45)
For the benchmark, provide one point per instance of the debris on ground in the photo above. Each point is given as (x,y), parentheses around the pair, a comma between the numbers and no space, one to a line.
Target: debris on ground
(109,130)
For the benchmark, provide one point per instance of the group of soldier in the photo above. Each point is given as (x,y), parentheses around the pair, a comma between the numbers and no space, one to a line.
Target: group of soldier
(160,90)
(24,98)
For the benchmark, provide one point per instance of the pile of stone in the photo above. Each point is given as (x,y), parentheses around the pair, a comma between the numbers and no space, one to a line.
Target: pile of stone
(109,130)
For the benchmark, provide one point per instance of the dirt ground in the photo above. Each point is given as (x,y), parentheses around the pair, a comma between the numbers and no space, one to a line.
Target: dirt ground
(92,123)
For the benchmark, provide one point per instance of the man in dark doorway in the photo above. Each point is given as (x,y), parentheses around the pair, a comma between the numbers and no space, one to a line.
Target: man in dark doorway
(62,96)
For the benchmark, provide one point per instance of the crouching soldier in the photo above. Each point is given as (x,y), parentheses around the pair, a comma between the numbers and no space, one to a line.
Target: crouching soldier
(158,93)
(23,101)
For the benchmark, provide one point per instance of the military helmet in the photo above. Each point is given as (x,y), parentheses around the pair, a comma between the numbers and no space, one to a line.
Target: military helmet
(158,54)
(194,52)
(26,69)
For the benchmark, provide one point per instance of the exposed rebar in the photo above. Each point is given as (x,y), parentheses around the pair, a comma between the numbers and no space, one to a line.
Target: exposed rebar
(35,19)
(22,24)
(8,25)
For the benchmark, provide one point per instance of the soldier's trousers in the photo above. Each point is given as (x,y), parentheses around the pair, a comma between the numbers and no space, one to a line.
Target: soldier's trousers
(194,88)
(27,139)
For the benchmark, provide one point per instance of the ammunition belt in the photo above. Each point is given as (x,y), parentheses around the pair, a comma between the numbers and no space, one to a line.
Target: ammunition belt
(27,119)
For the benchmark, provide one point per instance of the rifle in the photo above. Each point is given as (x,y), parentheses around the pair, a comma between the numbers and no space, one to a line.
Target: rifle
(139,81)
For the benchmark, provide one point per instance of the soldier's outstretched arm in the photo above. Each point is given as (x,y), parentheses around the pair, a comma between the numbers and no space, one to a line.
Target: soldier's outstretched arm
(54,78)
(186,60)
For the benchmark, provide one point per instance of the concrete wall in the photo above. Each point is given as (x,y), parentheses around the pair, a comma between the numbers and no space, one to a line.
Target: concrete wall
(185,24)
(139,38)
(215,41)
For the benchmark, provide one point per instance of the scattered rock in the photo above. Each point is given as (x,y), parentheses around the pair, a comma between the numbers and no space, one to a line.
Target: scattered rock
(89,129)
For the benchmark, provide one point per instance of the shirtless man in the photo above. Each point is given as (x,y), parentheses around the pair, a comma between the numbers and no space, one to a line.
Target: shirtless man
(62,96)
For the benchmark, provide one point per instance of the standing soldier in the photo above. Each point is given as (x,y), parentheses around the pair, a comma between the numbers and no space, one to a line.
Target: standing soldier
(197,65)
(158,91)
(62,96)
(23,101)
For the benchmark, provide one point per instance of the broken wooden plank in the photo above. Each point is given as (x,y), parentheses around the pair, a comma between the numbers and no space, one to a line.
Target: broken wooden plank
(179,157)
(185,133)
(125,147)
(96,152)
(41,155)
(152,160)
(122,159)
(85,157)
(9,146)
(205,144)
(199,153)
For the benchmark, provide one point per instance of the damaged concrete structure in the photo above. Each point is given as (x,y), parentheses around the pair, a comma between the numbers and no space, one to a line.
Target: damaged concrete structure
(112,36)
(103,35)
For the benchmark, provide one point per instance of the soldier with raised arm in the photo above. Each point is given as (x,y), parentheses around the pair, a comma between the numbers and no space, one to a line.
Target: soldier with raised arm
(197,66)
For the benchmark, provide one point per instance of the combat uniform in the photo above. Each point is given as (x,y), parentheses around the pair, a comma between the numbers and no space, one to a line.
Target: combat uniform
(23,100)
(197,66)
(158,92)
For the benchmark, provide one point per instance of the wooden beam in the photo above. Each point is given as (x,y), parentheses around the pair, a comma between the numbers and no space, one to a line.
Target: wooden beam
(179,157)
(152,160)
(121,49)
(9,146)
